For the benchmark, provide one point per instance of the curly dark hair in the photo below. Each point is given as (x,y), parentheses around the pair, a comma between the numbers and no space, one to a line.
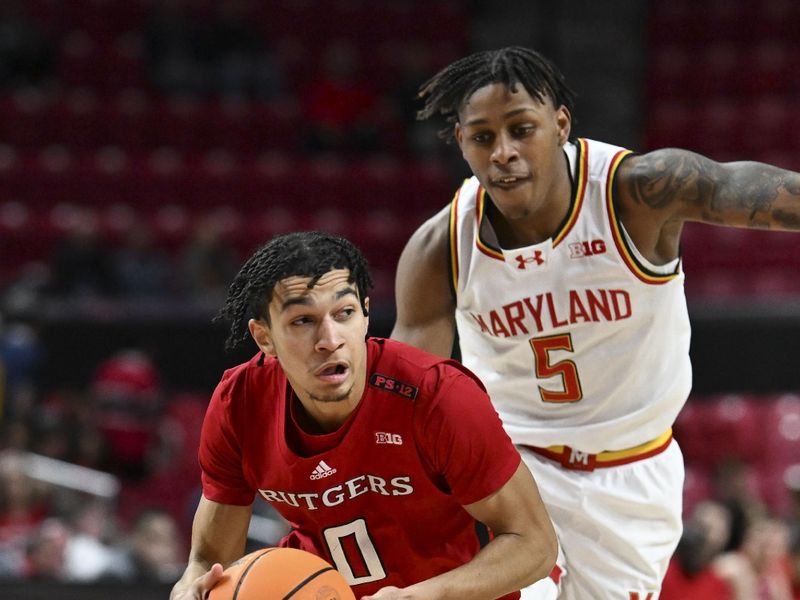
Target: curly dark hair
(446,92)
(301,254)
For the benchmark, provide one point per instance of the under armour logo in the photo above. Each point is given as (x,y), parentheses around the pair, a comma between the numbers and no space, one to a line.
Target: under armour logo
(524,261)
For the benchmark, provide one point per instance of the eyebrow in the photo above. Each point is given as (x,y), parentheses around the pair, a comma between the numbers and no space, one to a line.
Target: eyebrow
(306,301)
(508,115)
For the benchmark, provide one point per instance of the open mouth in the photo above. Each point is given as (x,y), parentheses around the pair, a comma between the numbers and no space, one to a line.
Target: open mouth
(509,181)
(334,370)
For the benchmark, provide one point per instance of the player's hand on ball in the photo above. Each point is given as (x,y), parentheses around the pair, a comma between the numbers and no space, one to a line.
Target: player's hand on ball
(199,588)
(390,593)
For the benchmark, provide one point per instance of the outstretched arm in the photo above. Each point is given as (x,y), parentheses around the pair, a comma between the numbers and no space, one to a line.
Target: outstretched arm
(219,533)
(658,191)
(744,194)
(522,551)
(425,305)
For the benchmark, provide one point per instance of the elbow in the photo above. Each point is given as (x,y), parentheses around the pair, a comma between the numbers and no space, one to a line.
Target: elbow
(551,554)
(544,555)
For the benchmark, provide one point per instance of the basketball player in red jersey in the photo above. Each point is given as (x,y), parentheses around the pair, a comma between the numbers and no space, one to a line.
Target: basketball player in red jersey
(383,458)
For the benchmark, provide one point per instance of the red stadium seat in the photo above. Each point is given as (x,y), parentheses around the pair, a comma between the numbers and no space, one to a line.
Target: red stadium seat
(171,225)
(12,175)
(117,220)
(670,73)
(331,219)
(772,112)
(173,123)
(674,22)
(124,63)
(715,70)
(775,20)
(769,68)
(782,428)
(668,125)
(265,223)
(125,120)
(696,487)
(161,178)
(714,429)
(25,123)
(214,179)
(55,177)
(717,127)
(771,480)
(272,179)
(688,430)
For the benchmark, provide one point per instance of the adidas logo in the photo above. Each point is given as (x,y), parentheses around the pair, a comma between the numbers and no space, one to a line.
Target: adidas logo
(322,471)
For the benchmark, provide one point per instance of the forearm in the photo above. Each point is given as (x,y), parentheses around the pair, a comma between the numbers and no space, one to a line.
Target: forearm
(508,563)
(219,534)
(767,195)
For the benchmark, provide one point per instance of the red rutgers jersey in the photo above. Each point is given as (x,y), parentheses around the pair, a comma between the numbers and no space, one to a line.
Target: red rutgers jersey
(381,498)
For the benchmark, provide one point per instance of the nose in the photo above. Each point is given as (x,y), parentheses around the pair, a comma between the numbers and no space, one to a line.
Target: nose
(329,337)
(504,150)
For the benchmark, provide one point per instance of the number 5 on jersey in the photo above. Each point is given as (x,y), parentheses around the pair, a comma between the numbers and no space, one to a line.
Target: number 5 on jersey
(565,369)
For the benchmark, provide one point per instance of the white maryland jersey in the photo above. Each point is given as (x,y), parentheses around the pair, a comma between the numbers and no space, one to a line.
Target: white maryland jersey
(579,339)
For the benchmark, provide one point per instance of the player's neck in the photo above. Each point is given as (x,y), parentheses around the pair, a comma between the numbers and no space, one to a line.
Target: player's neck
(319,417)
(531,229)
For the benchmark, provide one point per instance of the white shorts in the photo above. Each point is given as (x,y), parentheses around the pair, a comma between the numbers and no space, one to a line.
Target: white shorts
(617,526)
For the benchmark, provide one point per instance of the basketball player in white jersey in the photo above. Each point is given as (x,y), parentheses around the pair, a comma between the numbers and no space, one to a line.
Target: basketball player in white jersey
(558,264)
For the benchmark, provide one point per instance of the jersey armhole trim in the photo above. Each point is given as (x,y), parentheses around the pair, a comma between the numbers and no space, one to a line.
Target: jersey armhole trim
(480,208)
(628,256)
(452,244)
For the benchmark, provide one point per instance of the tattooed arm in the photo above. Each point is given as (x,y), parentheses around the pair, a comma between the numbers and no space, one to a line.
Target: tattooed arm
(656,192)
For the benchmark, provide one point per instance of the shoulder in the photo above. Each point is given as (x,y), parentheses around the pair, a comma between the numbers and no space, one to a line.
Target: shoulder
(258,371)
(430,238)
(402,360)
(431,373)
(425,265)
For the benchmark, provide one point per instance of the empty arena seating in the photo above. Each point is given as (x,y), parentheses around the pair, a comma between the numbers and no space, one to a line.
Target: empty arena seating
(103,136)
(103,143)
(721,82)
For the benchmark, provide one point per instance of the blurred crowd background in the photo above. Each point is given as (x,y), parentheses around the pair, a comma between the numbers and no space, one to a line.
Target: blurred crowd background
(148,146)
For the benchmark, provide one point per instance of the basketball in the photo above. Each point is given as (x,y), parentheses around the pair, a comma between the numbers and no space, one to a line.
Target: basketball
(281,573)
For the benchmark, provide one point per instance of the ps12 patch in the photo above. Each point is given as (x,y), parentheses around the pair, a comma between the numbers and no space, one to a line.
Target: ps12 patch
(390,384)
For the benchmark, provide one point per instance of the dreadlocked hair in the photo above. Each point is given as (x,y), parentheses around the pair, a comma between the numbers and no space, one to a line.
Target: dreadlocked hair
(447,91)
(302,254)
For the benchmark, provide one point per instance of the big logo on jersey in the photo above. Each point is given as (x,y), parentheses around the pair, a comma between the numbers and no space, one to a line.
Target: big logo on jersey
(584,249)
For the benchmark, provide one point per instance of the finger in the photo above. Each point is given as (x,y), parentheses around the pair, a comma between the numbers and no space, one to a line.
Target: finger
(210,579)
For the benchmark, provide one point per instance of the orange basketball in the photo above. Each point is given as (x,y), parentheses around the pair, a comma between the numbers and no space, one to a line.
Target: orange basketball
(281,573)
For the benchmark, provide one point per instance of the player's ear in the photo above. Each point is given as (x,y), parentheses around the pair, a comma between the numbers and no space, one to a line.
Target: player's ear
(260,332)
(366,315)
(563,124)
